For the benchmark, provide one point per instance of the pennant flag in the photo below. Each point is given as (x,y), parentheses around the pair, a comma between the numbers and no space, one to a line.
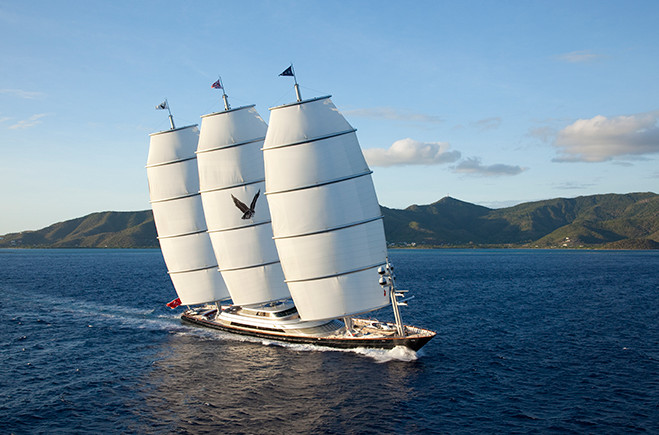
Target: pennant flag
(175,303)
(288,71)
(217,85)
(162,106)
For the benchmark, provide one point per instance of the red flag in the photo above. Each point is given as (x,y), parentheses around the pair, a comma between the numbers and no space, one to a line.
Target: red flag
(216,85)
(175,303)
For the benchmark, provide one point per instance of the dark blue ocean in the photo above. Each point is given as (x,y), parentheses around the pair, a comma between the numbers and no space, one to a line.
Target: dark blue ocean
(529,341)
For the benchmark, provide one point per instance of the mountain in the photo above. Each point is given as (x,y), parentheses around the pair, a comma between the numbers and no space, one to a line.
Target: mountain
(108,229)
(567,222)
(616,221)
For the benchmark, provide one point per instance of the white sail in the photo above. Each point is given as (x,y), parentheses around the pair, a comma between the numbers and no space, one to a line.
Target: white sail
(232,176)
(326,219)
(178,214)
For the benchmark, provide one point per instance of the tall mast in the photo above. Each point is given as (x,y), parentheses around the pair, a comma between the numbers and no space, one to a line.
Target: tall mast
(171,118)
(387,281)
(225,98)
(165,105)
(297,87)
(219,85)
(291,72)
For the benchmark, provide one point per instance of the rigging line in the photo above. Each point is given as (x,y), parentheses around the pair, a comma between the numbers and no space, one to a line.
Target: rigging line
(282,97)
(313,90)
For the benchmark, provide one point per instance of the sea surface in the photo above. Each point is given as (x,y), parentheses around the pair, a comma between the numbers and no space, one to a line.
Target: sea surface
(529,341)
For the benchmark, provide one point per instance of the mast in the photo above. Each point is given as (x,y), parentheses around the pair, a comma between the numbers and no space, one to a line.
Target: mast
(171,118)
(326,219)
(297,89)
(387,281)
(290,71)
(225,98)
(178,215)
(165,105)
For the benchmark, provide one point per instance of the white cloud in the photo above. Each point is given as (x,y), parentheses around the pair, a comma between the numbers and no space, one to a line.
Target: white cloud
(571,185)
(30,122)
(21,93)
(393,114)
(544,134)
(473,165)
(488,123)
(411,152)
(601,139)
(579,56)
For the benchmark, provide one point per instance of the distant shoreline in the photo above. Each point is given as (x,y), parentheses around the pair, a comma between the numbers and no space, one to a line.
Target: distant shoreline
(610,221)
(399,248)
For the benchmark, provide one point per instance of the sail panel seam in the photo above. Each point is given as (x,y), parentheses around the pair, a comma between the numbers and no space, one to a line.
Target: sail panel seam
(170,162)
(192,270)
(173,236)
(247,183)
(189,195)
(329,230)
(313,139)
(232,145)
(239,228)
(322,183)
(337,274)
(231,269)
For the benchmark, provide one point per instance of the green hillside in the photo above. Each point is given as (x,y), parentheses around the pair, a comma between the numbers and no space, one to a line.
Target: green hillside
(612,221)
(108,229)
(584,221)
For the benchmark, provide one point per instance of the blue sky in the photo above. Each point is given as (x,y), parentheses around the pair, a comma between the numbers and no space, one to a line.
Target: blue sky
(490,102)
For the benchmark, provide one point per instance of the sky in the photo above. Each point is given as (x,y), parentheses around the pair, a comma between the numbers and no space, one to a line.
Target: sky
(491,102)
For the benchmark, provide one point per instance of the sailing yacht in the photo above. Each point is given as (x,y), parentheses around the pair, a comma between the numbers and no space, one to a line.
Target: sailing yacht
(290,215)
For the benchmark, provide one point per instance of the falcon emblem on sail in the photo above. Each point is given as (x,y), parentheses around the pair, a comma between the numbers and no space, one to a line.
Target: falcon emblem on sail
(248,212)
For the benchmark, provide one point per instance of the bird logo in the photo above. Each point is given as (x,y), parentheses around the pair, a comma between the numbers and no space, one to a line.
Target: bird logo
(248,212)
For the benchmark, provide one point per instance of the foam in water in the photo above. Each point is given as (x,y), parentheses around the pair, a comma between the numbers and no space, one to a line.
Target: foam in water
(399,353)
